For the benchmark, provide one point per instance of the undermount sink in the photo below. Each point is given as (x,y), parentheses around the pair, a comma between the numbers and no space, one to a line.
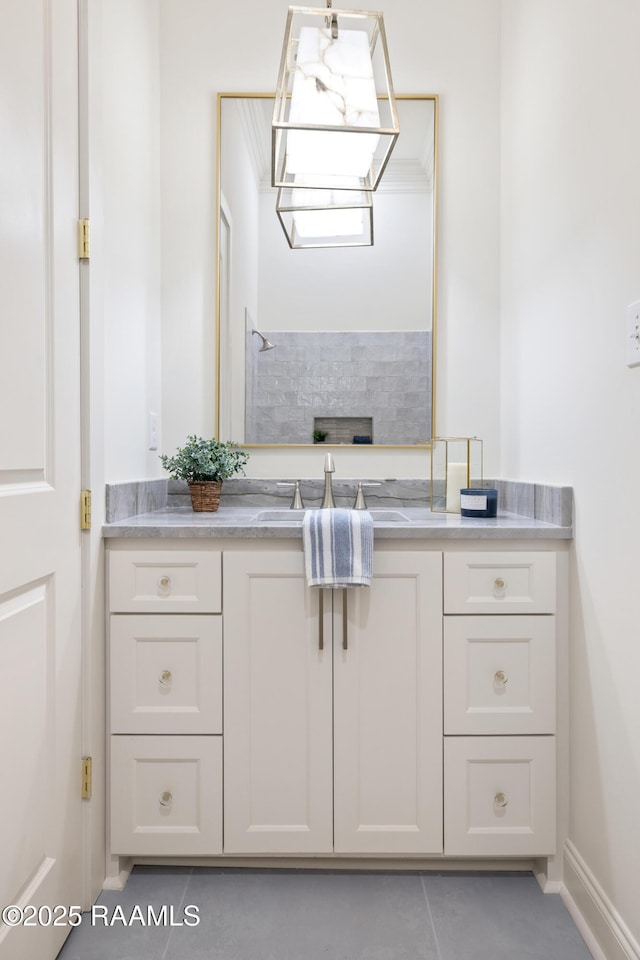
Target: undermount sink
(269,516)
(389,516)
(295,516)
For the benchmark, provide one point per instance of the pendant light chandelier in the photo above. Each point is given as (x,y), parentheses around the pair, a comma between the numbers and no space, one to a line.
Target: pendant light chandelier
(325,218)
(334,125)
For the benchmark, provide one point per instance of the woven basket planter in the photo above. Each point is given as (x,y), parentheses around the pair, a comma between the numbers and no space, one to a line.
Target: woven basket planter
(205,495)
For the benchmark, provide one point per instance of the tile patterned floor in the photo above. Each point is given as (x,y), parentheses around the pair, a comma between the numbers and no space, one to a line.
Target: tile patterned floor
(329,915)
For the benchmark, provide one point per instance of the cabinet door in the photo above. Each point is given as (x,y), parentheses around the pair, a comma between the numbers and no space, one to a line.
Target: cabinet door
(388,709)
(277,707)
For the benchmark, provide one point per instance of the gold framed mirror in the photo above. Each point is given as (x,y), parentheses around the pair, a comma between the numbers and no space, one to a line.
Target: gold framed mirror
(351,332)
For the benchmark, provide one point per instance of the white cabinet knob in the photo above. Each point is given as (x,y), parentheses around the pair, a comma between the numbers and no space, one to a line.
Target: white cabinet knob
(164,585)
(500,800)
(166,678)
(499,584)
(166,799)
(500,678)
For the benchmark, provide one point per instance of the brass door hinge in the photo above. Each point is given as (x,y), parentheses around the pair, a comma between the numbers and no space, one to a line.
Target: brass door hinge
(85,510)
(84,240)
(87,775)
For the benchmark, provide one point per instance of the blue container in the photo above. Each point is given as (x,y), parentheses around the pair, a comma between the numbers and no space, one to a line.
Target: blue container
(478,502)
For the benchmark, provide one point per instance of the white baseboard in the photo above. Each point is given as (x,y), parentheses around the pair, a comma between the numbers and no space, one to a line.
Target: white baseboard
(604,931)
(118,880)
(549,886)
(548,873)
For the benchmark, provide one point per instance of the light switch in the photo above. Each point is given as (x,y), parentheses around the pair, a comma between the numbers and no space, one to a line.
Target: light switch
(633,334)
(153,431)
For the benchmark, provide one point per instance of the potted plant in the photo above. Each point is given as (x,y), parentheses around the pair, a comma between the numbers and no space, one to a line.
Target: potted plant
(204,464)
(319,436)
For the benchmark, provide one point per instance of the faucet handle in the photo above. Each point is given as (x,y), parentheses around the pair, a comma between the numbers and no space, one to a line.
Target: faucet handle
(329,466)
(361,503)
(296,503)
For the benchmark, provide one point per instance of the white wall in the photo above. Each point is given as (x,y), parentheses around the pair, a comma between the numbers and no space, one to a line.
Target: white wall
(129,232)
(451,49)
(242,199)
(383,287)
(571,250)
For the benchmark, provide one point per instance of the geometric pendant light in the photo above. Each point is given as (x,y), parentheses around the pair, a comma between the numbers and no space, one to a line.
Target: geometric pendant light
(334,121)
(325,218)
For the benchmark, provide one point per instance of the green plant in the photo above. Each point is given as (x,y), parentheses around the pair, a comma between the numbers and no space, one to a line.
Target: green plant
(319,436)
(202,459)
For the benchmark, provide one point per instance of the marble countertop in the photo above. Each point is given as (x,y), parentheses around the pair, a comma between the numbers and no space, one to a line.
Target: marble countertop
(244,523)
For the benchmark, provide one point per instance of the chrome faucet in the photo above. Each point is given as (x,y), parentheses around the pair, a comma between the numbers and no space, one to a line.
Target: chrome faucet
(297,502)
(328,502)
(361,503)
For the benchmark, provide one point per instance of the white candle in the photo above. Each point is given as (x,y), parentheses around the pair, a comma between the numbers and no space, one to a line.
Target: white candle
(456,480)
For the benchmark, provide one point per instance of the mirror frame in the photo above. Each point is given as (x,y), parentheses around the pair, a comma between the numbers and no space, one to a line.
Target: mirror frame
(418,447)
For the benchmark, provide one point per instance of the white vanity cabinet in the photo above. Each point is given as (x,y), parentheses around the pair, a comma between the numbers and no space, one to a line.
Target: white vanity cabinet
(253,716)
(499,656)
(333,716)
(165,701)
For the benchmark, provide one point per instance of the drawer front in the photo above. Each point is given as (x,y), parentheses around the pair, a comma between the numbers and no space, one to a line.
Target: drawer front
(500,582)
(499,675)
(166,795)
(166,674)
(165,581)
(499,796)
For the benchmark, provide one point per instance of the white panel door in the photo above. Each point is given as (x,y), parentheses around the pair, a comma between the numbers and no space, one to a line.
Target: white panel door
(388,709)
(277,707)
(40,747)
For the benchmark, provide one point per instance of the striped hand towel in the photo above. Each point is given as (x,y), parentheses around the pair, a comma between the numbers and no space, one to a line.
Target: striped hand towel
(338,548)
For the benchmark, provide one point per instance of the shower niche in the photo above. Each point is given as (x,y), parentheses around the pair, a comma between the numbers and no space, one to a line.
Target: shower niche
(358,430)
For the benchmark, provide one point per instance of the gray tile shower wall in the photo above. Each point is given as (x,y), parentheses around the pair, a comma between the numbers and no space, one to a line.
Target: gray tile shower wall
(383,375)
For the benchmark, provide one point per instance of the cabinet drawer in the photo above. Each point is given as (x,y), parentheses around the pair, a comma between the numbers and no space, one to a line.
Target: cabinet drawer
(499,675)
(167,581)
(166,674)
(499,796)
(166,795)
(500,582)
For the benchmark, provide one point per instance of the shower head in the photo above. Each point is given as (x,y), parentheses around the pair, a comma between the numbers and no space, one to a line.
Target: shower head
(266,344)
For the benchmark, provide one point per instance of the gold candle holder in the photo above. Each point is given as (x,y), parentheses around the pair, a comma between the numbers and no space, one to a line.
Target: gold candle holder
(456,464)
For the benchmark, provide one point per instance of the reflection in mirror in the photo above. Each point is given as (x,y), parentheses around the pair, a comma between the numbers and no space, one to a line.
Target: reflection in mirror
(352,328)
